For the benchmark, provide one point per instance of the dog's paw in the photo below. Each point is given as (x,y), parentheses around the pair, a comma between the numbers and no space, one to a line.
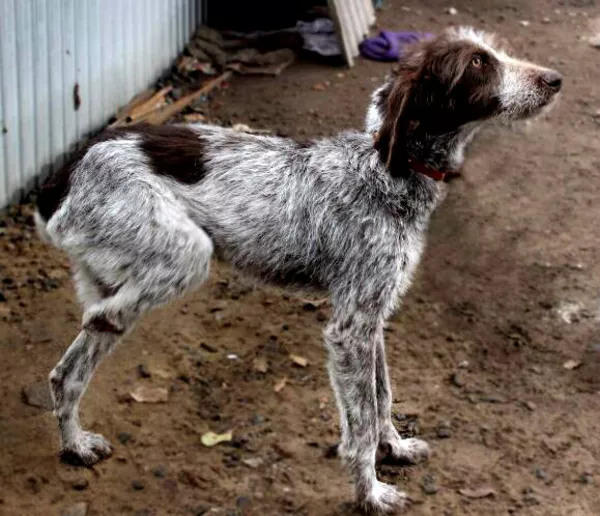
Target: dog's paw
(383,499)
(87,450)
(392,448)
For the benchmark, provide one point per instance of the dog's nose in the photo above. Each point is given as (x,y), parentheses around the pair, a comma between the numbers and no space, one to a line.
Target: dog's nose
(552,79)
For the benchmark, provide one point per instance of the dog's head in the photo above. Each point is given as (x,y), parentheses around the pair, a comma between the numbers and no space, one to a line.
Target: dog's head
(459,78)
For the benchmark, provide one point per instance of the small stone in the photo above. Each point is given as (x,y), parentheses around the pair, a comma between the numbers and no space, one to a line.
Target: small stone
(137,485)
(142,371)
(586,479)
(78,509)
(530,405)
(257,419)
(571,364)
(260,365)
(243,502)
(429,485)
(492,398)
(80,484)
(38,395)
(124,437)
(464,364)
(208,347)
(35,484)
(524,23)
(457,380)
(546,20)
(331,452)
(159,471)
(443,431)
(283,450)
(452,11)
(540,474)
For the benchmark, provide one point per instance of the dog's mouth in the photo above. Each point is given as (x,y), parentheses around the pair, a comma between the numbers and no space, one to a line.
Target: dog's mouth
(534,93)
(531,107)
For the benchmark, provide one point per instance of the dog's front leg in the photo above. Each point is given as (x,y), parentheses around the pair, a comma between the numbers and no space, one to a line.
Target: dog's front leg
(351,340)
(409,451)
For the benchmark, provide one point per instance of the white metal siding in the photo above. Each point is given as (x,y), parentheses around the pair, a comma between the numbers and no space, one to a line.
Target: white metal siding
(352,18)
(111,48)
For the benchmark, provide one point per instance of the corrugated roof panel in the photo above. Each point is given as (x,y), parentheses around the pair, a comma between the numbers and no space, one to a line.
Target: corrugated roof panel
(67,65)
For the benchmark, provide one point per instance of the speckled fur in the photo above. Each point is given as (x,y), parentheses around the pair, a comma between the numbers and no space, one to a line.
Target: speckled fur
(327,214)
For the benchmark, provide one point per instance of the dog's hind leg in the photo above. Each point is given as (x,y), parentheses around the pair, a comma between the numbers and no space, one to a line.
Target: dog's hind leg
(68,381)
(179,264)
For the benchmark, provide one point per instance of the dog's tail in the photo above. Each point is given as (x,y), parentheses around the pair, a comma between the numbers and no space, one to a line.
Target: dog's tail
(40,225)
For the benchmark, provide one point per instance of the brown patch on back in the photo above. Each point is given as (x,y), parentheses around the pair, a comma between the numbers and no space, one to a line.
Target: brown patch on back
(174,151)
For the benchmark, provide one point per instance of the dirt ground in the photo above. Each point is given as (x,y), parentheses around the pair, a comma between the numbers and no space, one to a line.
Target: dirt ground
(494,357)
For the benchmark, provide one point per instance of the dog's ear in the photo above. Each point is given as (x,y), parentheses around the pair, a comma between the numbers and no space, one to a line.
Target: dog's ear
(390,140)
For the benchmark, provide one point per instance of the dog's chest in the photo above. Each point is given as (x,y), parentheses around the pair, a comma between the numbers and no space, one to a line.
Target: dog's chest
(411,251)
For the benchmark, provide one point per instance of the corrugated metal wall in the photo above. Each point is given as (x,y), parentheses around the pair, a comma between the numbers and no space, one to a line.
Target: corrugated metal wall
(56,55)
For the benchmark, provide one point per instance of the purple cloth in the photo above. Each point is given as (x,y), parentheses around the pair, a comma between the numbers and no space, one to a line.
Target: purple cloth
(388,45)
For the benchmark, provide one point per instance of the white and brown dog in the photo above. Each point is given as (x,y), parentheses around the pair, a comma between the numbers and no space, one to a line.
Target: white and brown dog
(141,211)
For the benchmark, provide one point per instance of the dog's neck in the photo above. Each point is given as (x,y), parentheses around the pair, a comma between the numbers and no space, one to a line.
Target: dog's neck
(443,151)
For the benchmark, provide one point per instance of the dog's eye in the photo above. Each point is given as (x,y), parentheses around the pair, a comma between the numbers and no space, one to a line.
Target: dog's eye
(476,61)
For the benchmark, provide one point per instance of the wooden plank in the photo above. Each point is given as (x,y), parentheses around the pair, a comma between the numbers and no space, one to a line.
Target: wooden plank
(161,115)
(156,101)
(138,99)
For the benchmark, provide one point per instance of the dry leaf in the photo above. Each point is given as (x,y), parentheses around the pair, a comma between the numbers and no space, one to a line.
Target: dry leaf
(260,364)
(211,439)
(253,462)
(280,384)
(299,361)
(571,364)
(313,304)
(482,492)
(162,373)
(144,394)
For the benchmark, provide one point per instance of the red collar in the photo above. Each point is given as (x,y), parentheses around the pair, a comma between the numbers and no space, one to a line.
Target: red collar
(433,173)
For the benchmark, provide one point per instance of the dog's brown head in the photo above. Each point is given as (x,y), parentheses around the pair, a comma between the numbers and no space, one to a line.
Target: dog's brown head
(456,79)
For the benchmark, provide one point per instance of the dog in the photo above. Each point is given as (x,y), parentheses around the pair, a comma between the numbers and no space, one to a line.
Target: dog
(141,210)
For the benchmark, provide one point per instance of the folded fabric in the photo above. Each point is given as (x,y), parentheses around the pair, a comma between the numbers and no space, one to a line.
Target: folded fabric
(320,37)
(388,45)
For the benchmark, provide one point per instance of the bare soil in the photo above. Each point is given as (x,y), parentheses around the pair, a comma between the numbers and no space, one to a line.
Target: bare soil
(507,294)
